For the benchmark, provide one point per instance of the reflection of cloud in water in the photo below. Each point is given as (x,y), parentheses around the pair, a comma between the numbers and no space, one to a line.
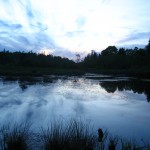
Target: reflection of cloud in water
(79,109)
(82,91)
(65,98)
(10,103)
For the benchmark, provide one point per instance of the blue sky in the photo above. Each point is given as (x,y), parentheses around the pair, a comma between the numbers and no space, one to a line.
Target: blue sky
(67,27)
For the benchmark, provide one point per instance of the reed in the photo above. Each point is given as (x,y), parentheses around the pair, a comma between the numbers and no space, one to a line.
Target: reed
(59,135)
(15,137)
(70,136)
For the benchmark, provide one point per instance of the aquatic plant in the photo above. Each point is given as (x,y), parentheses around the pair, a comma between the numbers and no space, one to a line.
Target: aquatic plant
(70,136)
(102,137)
(15,137)
(59,135)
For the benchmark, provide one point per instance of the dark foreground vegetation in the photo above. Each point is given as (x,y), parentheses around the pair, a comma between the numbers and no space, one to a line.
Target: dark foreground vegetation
(74,135)
(111,60)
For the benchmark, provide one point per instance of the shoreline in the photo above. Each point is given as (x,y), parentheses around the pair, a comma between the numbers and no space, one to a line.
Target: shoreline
(39,71)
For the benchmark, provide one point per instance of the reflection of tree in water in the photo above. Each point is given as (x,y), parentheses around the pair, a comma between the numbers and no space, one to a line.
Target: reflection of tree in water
(147,93)
(135,86)
(25,81)
(23,85)
(108,86)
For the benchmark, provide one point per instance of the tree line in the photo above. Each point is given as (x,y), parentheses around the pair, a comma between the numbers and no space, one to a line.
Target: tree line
(114,58)
(31,59)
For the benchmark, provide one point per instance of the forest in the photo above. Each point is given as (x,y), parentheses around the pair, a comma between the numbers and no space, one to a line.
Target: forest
(119,59)
(110,60)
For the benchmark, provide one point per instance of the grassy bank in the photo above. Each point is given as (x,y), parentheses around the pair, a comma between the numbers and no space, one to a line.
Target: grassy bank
(40,71)
(37,71)
(134,72)
(74,135)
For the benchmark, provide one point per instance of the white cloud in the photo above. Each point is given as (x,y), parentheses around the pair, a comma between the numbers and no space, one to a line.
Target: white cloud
(74,25)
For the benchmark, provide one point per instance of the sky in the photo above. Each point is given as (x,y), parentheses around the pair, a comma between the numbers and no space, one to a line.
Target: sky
(69,27)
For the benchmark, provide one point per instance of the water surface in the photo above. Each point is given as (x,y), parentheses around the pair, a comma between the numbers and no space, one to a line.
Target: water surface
(119,104)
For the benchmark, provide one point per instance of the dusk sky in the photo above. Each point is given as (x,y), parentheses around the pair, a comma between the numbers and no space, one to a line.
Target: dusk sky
(68,27)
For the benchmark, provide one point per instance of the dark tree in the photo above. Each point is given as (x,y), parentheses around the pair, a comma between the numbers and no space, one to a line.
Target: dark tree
(110,50)
(148,48)
(122,52)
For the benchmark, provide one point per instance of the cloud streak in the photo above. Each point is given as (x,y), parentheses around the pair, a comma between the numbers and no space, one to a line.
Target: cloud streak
(9,25)
(68,27)
(134,37)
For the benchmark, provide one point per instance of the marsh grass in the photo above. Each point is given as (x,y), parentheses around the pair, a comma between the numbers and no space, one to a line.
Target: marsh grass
(113,141)
(59,135)
(127,145)
(102,138)
(15,137)
(70,136)
(134,145)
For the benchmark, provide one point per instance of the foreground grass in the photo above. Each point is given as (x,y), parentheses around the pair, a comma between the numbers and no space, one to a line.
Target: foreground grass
(16,137)
(74,135)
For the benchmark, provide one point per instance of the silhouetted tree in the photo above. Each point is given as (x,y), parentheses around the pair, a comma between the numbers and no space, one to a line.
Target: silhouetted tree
(148,48)
(110,50)
(122,52)
(78,58)
(31,59)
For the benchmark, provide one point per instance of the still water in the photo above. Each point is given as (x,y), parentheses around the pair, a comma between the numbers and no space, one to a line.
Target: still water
(118,104)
